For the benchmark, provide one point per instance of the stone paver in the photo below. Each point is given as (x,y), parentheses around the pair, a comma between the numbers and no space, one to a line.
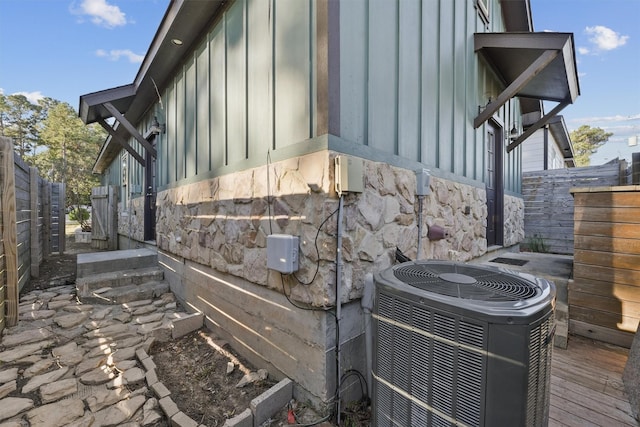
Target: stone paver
(83,361)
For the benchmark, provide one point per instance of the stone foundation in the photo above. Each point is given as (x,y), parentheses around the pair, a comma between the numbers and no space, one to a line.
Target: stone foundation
(222,223)
(513,220)
(131,219)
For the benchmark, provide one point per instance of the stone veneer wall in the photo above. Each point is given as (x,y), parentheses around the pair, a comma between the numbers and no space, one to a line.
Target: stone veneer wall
(513,220)
(131,219)
(223,222)
(212,234)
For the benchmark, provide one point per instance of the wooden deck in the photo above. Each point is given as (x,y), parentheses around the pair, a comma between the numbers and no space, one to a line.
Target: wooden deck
(586,385)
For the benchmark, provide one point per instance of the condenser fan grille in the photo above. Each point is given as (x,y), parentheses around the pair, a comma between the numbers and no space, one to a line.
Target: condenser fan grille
(467,282)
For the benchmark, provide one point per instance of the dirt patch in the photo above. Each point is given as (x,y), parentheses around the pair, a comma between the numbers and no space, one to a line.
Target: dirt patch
(194,368)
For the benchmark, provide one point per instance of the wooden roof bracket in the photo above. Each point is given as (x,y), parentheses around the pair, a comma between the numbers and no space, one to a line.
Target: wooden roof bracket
(120,141)
(130,128)
(516,86)
(537,125)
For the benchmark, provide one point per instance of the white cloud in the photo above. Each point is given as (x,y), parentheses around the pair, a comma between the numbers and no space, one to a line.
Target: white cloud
(604,38)
(101,13)
(116,54)
(33,97)
(583,51)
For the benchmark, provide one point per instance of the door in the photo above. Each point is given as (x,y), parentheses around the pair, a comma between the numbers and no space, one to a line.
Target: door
(493,184)
(150,195)
(104,218)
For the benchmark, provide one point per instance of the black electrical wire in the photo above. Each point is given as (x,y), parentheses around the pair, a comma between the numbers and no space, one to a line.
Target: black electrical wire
(315,243)
(361,379)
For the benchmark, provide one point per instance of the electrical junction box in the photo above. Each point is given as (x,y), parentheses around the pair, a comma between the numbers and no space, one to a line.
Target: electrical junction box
(423,178)
(282,253)
(349,175)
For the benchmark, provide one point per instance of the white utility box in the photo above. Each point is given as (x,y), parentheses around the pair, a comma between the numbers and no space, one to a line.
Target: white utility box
(282,253)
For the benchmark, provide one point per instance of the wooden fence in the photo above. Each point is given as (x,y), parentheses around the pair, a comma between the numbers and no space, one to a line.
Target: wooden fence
(604,295)
(32,226)
(548,204)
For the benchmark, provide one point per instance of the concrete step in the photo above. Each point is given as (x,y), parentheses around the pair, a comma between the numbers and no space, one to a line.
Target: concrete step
(128,293)
(106,262)
(87,285)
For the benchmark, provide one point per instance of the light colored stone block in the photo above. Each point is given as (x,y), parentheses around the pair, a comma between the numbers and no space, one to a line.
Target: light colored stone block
(186,324)
(271,401)
(160,390)
(168,406)
(243,419)
(151,377)
(182,420)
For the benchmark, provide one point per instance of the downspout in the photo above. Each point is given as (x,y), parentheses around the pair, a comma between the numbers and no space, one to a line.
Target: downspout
(338,305)
(419,254)
(545,150)
(366,303)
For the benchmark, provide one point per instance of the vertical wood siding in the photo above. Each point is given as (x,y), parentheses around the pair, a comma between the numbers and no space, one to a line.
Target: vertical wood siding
(217,110)
(411,83)
(410,86)
(409,62)
(246,88)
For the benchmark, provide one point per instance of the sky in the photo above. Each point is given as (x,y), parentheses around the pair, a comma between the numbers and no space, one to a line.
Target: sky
(607,41)
(66,48)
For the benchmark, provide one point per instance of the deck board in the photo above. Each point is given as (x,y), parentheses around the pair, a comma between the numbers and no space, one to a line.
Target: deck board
(586,386)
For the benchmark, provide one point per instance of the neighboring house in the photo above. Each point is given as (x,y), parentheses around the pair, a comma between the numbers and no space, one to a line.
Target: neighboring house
(230,131)
(548,148)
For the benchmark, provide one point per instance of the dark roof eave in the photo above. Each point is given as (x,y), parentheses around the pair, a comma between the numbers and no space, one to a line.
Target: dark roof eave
(184,20)
(558,129)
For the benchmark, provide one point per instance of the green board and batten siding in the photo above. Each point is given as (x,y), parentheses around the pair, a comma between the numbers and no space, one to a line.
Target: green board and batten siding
(411,83)
(410,86)
(220,107)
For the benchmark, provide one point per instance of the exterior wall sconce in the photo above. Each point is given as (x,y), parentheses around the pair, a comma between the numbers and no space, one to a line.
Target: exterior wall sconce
(514,133)
(156,127)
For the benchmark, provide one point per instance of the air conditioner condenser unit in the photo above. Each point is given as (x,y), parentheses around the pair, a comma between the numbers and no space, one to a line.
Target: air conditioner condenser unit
(455,344)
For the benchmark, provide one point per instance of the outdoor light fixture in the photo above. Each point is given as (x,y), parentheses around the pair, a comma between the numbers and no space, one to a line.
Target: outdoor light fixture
(513,133)
(176,42)
(156,127)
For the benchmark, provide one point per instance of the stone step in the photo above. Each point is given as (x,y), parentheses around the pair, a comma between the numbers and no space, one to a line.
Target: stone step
(87,286)
(89,264)
(125,294)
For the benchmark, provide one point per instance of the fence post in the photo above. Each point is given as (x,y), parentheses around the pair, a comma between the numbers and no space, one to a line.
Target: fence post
(35,237)
(46,219)
(62,226)
(10,232)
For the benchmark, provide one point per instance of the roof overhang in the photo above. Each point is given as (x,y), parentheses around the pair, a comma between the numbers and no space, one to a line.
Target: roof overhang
(184,20)
(558,129)
(534,67)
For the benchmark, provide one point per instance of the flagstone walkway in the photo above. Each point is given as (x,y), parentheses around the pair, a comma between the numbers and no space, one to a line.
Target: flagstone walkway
(73,364)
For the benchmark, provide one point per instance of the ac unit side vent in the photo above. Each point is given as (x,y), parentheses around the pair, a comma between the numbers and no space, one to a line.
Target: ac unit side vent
(435,357)
(539,375)
(442,361)
(467,282)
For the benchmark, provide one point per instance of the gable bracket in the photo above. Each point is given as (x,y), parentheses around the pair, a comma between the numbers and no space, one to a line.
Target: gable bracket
(130,128)
(120,141)
(537,125)
(516,86)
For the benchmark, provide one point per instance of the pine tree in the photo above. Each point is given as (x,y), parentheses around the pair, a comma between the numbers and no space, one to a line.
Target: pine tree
(586,141)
